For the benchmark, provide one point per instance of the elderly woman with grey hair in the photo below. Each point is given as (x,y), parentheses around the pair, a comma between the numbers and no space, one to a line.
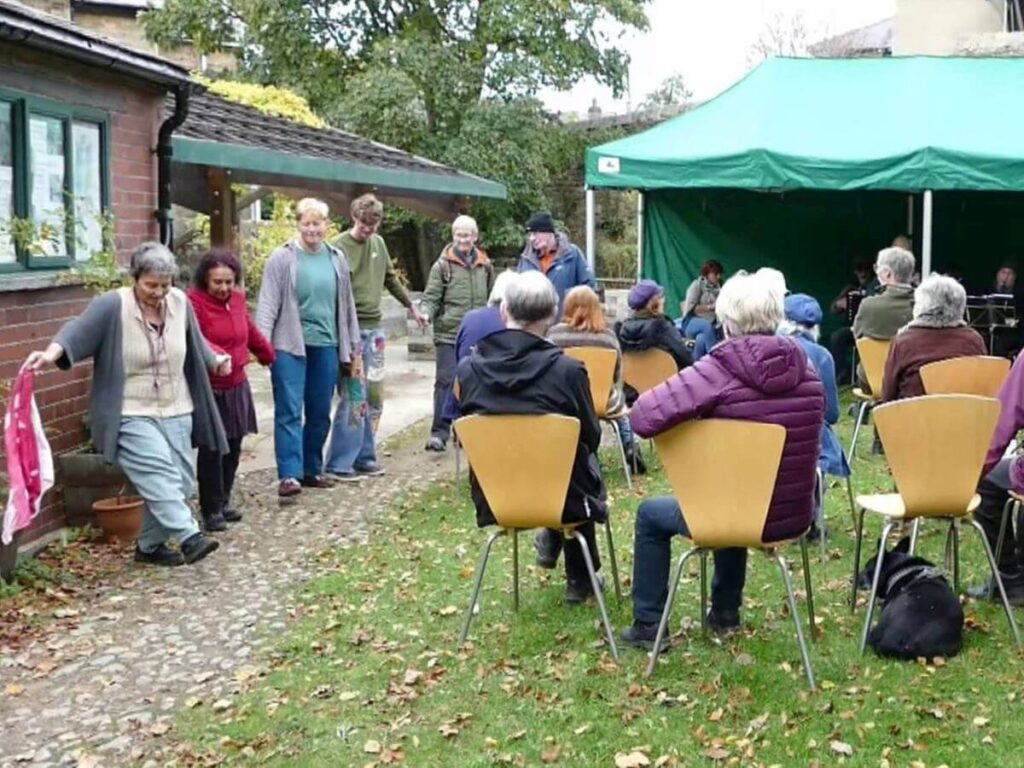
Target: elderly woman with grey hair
(936,332)
(151,399)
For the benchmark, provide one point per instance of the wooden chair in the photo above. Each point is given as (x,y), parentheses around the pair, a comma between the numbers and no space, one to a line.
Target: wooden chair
(936,447)
(981,375)
(600,365)
(722,472)
(523,465)
(646,370)
(873,353)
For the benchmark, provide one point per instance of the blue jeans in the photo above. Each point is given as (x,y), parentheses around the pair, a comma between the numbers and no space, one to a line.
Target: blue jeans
(699,329)
(156,455)
(302,384)
(657,521)
(352,444)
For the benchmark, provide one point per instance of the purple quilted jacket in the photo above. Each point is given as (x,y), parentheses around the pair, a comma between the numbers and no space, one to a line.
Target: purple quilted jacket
(767,379)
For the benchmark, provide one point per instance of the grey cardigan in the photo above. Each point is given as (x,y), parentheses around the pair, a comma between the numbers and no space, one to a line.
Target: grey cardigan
(277,312)
(97,334)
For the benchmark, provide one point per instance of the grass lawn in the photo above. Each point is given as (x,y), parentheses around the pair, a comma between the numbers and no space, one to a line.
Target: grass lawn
(370,674)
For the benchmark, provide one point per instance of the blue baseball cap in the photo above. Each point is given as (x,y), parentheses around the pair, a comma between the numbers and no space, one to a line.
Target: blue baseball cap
(803,309)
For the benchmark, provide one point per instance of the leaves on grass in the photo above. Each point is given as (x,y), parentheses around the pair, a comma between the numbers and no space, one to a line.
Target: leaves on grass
(841,748)
(634,759)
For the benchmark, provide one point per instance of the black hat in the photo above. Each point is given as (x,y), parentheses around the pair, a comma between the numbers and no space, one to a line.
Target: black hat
(541,222)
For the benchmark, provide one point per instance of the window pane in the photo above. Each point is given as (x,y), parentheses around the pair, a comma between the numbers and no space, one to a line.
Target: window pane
(7,254)
(88,202)
(46,141)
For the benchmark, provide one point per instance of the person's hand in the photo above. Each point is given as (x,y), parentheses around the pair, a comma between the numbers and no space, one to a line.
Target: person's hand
(41,358)
(419,317)
(356,369)
(223,365)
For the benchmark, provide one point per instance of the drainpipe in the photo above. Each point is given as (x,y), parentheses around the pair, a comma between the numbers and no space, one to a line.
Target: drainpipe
(164,151)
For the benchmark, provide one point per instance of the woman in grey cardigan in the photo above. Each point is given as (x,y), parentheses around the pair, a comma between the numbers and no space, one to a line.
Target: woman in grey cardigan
(150,400)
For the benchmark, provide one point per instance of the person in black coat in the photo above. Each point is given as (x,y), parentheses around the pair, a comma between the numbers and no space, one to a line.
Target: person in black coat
(649,328)
(519,371)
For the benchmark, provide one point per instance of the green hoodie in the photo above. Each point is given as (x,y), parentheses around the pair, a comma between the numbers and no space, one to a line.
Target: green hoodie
(453,289)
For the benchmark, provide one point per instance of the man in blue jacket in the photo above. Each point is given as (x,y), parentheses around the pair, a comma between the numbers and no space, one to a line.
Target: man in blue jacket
(551,253)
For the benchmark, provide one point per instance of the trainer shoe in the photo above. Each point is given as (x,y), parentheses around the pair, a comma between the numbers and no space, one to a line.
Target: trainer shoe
(162,555)
(641,635)
(196,547)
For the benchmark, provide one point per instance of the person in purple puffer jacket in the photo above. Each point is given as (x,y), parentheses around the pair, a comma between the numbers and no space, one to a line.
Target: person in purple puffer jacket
(753,375)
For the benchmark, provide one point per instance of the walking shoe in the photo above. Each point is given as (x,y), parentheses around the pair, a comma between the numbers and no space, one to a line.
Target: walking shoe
(1014,586)
(344,477)
(316,481)
(214,522)
(815,533)
(635,459)
(369,469)
(231,515)
(196,547)
(641,635)
(723,622)
(577,592)
(436,444)
(289,487)
(547,554)
(162,555)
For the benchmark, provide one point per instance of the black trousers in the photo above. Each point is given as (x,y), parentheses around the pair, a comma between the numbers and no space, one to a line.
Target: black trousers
(842,344)
(994,491)
(216,474)
(552,543)
(444,373)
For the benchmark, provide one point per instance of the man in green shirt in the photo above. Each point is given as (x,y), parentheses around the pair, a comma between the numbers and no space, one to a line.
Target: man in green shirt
(352,452)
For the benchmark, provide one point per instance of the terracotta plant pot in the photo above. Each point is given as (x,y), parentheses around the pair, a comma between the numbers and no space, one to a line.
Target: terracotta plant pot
(119,517)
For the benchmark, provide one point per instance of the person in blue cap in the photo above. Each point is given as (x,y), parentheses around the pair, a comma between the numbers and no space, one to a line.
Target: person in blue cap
(802,320)
(647,327)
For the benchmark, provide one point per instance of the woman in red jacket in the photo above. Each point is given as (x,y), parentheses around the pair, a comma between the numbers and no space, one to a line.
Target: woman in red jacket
(219,305)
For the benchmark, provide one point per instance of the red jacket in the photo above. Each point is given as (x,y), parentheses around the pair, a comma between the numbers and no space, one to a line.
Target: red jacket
(229,329)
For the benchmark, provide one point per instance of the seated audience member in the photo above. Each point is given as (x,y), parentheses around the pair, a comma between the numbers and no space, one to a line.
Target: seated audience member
(753,375)
(774,278)
(698,308)
(803,318)
(882,315)
(937,332)
(583,325)
(519,371)
(649,328)
(841,341)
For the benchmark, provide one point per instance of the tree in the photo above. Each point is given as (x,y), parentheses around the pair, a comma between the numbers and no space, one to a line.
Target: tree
(782,35)
(671,93)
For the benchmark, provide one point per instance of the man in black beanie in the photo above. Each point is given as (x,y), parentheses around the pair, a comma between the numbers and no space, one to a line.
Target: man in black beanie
(550,253)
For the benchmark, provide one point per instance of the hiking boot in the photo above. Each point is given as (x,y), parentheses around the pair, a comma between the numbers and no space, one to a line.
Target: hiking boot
(162,555)
(436,444)
(641,635)
(231,515)
(723,622)
(814,533)
(1014,586)
(635,459)
(196,547)
(369,469)
(214,522)
(577,592)
(547,553)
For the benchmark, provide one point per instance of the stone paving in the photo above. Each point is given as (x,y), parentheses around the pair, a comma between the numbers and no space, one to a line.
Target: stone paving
(103,686)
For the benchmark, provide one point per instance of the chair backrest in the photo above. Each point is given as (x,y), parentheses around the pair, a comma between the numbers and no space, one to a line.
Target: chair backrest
(972,375)
(646,370)
(600,365)
(722,472)
(872,353)
(936,447)
(523,465)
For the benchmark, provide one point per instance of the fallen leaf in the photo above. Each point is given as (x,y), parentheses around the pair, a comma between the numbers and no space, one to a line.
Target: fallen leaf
(715,716)
(221,705)
(448,610)
(716,753)
(14,689)
(744,659)
(159,729)
(631,760)
(448,731)
(582,729)
(550,755)
(193,702)
(980,722)
(372,747)
(840,748)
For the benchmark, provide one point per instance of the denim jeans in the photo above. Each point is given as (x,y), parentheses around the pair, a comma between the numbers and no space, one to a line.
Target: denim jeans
(657,521)
(156,455)
(444,372)
(699,329)
(302,384)
(352,440)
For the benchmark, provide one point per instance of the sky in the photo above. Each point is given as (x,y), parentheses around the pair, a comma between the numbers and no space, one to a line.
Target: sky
(708,42)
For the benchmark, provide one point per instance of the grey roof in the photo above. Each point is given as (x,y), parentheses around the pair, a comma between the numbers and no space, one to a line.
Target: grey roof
(872,40)
(126,5)
(26,26)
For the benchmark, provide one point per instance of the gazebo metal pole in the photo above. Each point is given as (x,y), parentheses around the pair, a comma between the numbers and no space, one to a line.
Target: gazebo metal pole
(910,215)
(591,256)
(926,235)
(639,235)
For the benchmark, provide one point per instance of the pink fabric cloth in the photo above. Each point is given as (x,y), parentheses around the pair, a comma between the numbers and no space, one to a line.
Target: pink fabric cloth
(29,460)
(1011,420)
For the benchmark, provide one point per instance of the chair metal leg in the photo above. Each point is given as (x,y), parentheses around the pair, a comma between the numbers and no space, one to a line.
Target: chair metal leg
(663,624)
(947,556)
(956,556)
(804,655)
(622,455)
(821,518)
(458,466)
(807,586)
(476,584)
(595,585)
(858,529)
(999,581)
(856,432)
(874,584)
(515,570)
(615,564)
(1008,510)
(849,495)
(704,592)
(913,534)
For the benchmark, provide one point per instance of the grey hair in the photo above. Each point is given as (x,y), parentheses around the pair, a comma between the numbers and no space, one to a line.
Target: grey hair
(940,300)
(899,261)
(776,278)
(530,298)
(153,258)
(501,284)
(787,328)
(749,304)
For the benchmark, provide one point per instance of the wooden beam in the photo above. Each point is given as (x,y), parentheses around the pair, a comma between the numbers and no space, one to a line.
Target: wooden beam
(222,208)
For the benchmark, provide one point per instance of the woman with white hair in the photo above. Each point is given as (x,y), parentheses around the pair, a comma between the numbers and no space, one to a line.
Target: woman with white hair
(754,375)
(307,310)
(151,398)
(936,332)
(460,281)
